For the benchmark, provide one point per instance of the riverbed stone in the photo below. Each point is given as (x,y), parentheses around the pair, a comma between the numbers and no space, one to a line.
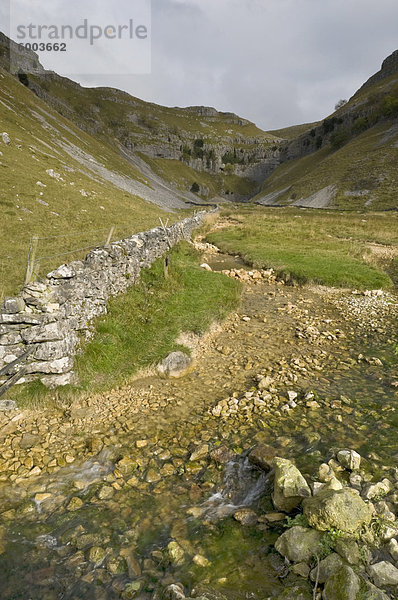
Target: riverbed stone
(374,593)
(325,473)
(13,305)
(301,569)
(106,492)
(327,567)
(176,553)
(28,441)
(126,465)
(349,459)
(200,452)
(201,561)
(290,487)
(298,591)
(348,549)
(153,476)
(176,364)
(337,509)
(392,548)
(75,503)
(298,544)
(342,585)
(383,574)
(246,516)
(6,405)
(174,591)
(97,555)
(373,490)
(262,456)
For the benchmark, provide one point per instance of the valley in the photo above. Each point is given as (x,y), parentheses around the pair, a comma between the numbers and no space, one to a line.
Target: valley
(265,467)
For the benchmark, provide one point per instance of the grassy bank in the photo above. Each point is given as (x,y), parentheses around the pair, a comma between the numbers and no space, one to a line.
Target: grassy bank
(323,247)
(142,325)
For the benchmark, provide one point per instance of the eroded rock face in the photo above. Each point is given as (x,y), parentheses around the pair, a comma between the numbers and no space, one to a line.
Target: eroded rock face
(298,544)
(337,509)
(290,487)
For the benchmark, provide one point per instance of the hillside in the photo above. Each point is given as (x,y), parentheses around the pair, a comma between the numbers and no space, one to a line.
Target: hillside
(77,160)
(348,161)
(294,131)
(205,141)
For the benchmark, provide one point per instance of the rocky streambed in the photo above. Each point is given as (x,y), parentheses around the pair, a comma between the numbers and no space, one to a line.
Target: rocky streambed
(171,488)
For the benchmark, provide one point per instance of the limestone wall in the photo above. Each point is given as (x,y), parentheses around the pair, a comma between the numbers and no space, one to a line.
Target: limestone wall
(50,316)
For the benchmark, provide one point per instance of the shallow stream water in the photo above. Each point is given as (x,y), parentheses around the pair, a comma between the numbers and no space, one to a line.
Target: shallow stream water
(101,529)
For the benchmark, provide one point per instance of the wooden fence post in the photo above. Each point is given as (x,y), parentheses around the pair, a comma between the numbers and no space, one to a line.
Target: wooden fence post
(34,242)
(110,234)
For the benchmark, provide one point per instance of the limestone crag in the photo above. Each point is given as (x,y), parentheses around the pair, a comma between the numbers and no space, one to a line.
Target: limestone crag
(48,315)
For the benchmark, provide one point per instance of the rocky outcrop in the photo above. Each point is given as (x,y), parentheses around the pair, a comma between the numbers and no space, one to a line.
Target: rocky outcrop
(389,67)
(49,316)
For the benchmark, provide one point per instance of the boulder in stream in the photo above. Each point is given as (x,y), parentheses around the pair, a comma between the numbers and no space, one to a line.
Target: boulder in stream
(290,487)
(298,544)
(337,509)
(176,364)
(262,456)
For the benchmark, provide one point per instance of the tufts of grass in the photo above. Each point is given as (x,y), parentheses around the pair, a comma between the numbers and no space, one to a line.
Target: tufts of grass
(310,246)
(142,325)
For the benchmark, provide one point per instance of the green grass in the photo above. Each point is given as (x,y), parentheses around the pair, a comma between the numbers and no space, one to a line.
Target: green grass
(311,246)
(182,176)
(28,209)
(142,325)
(290,133)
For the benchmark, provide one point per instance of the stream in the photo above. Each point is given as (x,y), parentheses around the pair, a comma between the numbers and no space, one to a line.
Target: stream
(164,469)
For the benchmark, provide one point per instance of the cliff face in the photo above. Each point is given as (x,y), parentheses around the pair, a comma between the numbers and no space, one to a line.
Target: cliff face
(389,67)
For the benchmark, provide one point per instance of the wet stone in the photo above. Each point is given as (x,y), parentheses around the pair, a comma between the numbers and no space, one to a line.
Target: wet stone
(74,504)
(246,516)
(97,555)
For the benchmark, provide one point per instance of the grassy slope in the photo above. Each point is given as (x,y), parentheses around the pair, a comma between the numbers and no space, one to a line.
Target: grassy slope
(183,176)
(114,114)
(327,248)
(115,108)
(34,149)
(366,162)
(290,133)
(135,333)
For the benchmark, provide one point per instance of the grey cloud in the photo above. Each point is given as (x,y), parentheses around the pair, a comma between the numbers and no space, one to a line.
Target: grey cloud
(276,62)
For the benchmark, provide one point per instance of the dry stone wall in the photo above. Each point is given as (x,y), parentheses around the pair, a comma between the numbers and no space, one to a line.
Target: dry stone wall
(50,316)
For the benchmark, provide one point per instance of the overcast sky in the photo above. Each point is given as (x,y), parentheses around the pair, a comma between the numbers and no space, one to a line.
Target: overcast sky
(275,62)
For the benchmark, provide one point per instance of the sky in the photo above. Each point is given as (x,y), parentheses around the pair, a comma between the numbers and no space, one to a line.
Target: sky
(275,62)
